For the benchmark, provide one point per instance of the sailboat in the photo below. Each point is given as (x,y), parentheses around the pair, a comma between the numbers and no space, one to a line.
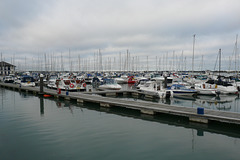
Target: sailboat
(224,87)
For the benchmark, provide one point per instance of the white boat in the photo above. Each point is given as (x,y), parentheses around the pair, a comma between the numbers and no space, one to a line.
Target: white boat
(52,80)
(152,88)
(8,79)
(206,88)
(121,80)
(222,87)
(68,84)
(109,84)
(180,90)
(226,88)
(158,78)
(27,81)
(141,83)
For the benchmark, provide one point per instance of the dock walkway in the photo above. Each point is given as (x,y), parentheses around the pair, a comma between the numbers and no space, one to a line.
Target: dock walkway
(144,107)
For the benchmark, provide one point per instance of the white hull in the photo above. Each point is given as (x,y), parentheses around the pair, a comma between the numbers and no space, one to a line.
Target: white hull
(206,91)
(121,80)
(67,84)
(27,84)
(109,87)
(227,90)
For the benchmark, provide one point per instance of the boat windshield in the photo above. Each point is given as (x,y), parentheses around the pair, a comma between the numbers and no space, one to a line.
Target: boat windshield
(147,84)
(53,77)
(110,81)
(178,87)
(157,75)
(27,79)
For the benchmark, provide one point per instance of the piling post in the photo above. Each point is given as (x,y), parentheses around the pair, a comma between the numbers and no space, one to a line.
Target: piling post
(165,81)
(41,84)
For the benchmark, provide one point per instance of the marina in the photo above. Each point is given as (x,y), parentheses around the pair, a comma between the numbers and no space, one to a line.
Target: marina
(116,80)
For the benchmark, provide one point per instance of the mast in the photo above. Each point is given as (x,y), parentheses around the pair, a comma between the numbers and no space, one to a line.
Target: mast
(173,61)
(94,62)
(147,63)
(70,66)
(61,62)
(219,61)
(182,62)
(156,64)
(193,54)
(79,67)
(167,62)
(2,64)
(236,56)
(120,64)
(127,60)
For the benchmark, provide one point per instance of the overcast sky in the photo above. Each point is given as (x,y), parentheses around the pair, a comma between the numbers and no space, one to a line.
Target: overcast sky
(29,28)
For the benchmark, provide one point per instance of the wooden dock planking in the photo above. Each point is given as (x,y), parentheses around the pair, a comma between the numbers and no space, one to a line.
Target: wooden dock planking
(144,107)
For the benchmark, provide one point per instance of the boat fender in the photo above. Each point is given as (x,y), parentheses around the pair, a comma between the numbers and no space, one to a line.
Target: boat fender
(47,95)
(58,91)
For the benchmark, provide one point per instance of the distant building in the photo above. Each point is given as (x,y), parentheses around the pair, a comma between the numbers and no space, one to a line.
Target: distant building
(6,68)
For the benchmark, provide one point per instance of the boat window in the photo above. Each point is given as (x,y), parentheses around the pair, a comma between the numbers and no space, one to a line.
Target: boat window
(227,84)
(67,82)
(142,82)
(27,79)
(147,84)
(110,81)
(210,81)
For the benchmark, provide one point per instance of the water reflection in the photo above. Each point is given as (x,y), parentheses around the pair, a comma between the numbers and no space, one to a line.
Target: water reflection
(230,130)
(223,102)
(41,106)
(68,105)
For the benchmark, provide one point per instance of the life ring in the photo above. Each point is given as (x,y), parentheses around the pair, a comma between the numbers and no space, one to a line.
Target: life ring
(84,85)
(71,85)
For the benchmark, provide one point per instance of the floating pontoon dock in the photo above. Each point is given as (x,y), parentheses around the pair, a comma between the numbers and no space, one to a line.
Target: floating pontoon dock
(144,107)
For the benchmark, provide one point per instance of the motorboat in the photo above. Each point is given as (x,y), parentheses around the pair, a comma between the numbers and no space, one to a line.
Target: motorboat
(121,80)
(181,90)
(140,83)
(206,88)
(222,87)
(27,81)
(68,84)
(226,88)
(153,89)
(8,79)
(109,84)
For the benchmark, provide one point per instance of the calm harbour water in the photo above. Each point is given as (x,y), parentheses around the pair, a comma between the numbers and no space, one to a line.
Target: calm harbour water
(45,128)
